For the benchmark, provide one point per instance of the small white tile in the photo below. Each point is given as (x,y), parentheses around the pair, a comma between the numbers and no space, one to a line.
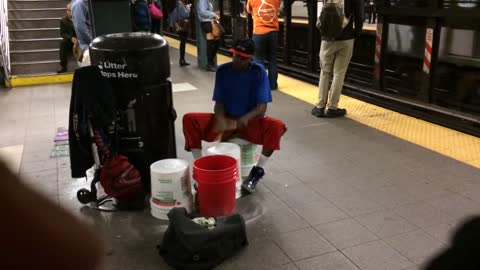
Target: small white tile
(422,214)
(356,205)
(385,223)
(303,244)
(182,87)
(442,232)
(345,233)
(377,255)
(417,245)
(330,261)
(280,183)
(456,206)
(320,213)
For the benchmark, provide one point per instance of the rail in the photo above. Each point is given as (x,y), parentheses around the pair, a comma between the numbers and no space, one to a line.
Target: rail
(4,41)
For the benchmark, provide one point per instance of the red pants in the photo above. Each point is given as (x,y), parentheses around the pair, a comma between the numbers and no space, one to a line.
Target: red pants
(265,131)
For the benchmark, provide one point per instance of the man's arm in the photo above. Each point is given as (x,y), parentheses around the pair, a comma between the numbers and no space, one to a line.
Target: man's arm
(203,11)
(81,24)
(64,31)
(220,119)
(248,7)
(359,11)
(258,111)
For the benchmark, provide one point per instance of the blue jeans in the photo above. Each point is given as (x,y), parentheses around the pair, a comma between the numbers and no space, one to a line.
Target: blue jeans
(266,50)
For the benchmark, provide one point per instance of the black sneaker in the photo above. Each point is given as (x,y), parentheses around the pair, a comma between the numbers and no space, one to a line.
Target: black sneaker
(211,68)
(62,70)
(318,112)
(250,184)
(183,63)
(335,113)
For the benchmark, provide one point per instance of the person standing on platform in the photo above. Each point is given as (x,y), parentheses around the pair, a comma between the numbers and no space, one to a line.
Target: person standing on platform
(265,34)
(241,95)
(180,21)
(83,30)
(156,22)
(336,25)
(206,16)
(67,33)
(141,19)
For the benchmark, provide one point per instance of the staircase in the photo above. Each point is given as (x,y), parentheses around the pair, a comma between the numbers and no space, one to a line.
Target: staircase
(34,31)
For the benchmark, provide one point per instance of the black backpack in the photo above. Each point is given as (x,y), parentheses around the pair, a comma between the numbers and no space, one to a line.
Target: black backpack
(187,245)
(332,19)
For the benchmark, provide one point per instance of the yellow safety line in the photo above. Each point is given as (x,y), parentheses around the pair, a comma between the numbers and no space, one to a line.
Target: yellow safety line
(448,142)
(38,80)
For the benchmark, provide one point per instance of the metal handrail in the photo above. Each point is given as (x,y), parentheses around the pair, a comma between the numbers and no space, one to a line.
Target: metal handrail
(4,41)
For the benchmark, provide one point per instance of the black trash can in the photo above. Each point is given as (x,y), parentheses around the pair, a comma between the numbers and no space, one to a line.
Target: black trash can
(138,67)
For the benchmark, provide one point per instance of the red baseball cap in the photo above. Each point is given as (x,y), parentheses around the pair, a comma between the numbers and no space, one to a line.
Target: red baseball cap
(243,47)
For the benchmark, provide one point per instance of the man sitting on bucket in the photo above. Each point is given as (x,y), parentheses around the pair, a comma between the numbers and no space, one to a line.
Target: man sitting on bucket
(241,94)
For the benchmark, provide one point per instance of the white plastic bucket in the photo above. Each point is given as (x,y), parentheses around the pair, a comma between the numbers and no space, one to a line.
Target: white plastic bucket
(232,150)
(250,154)
(171,187)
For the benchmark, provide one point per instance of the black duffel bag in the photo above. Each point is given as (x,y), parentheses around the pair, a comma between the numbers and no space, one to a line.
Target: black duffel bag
(190,246)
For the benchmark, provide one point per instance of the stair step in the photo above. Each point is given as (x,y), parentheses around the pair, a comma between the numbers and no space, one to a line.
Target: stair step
(34,67)
(34,55)
(34,44)
(18,4)
(36,13)
(33,23)
(34,33)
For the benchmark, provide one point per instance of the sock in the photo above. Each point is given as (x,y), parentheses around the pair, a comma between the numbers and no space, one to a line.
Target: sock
(197,153)
(262,161)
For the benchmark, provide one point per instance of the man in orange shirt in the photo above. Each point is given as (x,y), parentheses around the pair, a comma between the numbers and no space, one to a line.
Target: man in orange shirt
(265,34)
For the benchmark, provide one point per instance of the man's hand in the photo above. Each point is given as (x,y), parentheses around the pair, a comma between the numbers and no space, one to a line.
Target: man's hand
(242,123)
(220,124)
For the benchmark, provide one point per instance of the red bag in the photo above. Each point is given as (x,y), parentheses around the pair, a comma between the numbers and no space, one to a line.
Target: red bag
(119,178)
(155,12)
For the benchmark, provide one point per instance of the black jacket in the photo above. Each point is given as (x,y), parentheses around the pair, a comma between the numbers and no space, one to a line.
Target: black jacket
(92,98)
(355,10)
(66,28)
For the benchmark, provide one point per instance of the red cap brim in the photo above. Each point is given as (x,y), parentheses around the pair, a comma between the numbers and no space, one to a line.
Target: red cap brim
(246,55)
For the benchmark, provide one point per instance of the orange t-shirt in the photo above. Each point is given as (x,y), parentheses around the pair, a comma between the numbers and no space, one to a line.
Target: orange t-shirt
(265,15)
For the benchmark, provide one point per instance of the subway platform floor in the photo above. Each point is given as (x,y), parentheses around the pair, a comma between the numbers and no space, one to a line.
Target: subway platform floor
(339,195)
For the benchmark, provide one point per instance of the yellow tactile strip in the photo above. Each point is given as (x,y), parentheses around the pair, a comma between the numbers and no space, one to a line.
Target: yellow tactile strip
(38,80)
(451,143)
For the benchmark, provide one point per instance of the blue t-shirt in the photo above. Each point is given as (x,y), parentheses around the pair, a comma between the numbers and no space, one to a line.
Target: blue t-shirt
(240,92)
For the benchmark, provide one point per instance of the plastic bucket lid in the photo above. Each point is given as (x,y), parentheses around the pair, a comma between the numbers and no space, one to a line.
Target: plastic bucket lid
(215,167)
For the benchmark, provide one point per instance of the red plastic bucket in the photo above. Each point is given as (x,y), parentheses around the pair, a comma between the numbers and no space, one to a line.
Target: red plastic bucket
(216,176)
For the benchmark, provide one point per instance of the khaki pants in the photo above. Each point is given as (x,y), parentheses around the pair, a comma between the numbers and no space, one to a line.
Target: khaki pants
(334,58)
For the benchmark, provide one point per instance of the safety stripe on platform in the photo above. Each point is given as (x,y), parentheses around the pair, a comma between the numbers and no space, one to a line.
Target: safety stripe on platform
(39,80)
(448,142)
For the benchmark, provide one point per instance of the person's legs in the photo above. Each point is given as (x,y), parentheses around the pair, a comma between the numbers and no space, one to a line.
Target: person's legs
(342,59)
(272,46)
(216,46)
(327,57)
(266,131)
(260,44)
(212,48)
(211,51)
(154,26)
(198,127)
(183,41)
(65,47)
